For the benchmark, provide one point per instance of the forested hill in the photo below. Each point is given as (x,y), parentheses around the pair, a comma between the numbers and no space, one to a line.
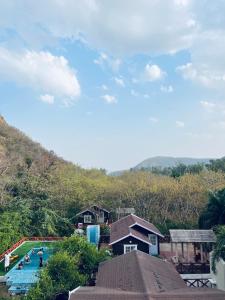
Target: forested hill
(16,149)
(41,193)
(163,162)
(169,161)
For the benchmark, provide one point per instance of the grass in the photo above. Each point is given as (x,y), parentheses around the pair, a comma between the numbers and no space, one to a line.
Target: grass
(21,251)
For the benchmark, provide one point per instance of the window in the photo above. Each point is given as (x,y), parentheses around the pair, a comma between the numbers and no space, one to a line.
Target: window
(87,218)
(153,239)
(129,248)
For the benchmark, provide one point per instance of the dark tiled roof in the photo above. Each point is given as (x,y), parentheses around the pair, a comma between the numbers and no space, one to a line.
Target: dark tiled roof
(139,276)
(123,227)
(198,236)
(93,210)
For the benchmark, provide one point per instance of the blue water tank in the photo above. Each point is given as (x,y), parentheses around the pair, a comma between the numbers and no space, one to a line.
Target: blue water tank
(93,234)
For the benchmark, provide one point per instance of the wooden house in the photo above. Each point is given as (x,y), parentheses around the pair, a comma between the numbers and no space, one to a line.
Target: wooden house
(93,215)
(133,233)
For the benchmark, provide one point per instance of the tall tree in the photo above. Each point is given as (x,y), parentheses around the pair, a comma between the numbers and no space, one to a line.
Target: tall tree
(214,214)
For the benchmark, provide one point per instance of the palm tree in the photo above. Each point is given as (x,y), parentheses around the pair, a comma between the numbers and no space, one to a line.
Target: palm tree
(214,214)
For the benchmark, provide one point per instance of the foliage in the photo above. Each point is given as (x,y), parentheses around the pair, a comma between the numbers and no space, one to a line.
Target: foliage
(89,256)
(219,250)
(217,165)
(40,194)
(214,214)
(104,229)
(10,232)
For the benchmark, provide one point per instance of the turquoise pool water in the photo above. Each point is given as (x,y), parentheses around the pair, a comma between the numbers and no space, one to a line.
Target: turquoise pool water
(19,281)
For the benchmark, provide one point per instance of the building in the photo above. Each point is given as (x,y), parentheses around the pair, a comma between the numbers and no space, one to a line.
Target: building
(93,215)
(139,276)
(192,240)
(133,233)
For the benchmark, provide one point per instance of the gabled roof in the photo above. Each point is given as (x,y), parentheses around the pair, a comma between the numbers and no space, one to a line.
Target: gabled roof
(192,236)
(92,210)
(124,227)
(139,276)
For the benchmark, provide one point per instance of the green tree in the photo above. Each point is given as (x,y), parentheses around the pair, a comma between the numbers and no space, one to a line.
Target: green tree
(217,164)
(214,214)
(89,255)
(219,250)
(60,276)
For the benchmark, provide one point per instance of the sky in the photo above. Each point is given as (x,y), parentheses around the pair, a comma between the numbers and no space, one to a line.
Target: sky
(107,84)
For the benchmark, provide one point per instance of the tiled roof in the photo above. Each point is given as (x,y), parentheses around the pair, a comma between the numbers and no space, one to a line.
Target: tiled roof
(190,236)
(123,228)
(92,209)
(137,275)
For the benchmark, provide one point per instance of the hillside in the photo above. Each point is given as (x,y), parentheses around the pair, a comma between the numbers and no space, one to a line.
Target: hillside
(169,161)
(18,150)
(40,193)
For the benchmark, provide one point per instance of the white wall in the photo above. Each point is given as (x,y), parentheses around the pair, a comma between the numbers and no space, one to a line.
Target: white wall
(153,249)
(219,276)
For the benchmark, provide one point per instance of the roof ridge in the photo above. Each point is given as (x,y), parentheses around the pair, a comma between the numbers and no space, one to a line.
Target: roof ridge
(143,219)
(122,218)
(140,269)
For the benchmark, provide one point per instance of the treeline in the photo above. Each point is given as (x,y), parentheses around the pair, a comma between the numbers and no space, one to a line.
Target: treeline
(182,169)
(46,204)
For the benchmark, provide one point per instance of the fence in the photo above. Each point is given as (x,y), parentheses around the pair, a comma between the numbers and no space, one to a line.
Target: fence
(193,268)
(198,283)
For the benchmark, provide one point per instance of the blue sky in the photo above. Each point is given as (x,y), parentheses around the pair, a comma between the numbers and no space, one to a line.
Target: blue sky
(107,84)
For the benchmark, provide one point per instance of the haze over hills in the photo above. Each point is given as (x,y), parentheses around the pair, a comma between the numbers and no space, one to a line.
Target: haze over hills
(164,162)
(169,161)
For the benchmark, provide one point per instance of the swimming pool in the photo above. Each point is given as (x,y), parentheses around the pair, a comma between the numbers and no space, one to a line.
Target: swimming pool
(19,281)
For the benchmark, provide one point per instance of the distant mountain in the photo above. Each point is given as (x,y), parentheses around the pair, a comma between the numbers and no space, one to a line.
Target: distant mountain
(169,161)
(163,162)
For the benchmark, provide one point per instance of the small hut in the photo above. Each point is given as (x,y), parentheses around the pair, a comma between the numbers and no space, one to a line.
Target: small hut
(197,243)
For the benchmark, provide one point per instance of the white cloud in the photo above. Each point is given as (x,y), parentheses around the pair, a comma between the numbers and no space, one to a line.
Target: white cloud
(117,26)
(208,105)
(119,81)
(109,99)
(202,74)
(166,89)
(47,98)
(207,65)
(41,71)
(179,124)
(107,61)
(153,120)
(153,73)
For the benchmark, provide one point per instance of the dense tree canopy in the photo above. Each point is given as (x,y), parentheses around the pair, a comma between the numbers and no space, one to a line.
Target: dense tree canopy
(219,250)
(214,214)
